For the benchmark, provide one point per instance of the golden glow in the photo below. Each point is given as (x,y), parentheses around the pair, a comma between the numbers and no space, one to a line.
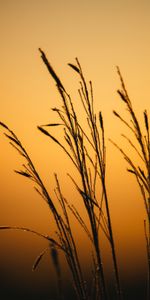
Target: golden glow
(102,34)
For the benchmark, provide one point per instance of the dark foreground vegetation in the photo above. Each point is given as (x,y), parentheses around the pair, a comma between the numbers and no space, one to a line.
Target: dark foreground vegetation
(86,148)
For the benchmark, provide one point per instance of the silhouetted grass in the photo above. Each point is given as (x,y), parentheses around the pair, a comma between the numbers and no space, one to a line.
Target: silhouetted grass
(141,145)
(87,151)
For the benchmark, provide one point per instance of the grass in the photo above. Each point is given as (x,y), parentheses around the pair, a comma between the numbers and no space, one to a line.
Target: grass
(141,145)
(86,148)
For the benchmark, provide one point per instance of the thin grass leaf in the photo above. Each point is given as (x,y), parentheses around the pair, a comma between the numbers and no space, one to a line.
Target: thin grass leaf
(12,139)
(104,227)
(52,124)
(51,70)
(38,259)
(86,197)
(92,97)
(146,120)
(55,109)
(133,146)
(131,171)
(123,97)
(57,142)
(129,161)
(123,86)
(3,125)
(5,227)
(78,217)
(29,169)
(144,197)
(49,135)
(142,173)
(82,100)
(23,173)
(118,116)
(20,152)
(101,120)
(37,190)
(74,182)
(74,68)
(43,130)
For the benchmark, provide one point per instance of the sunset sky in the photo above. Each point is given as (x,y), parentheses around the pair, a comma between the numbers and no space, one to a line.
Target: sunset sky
(103,35)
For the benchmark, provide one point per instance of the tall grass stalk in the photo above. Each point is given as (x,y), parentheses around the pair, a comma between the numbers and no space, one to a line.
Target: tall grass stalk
(87,151)
(66,242)
(75,136)
(141,145)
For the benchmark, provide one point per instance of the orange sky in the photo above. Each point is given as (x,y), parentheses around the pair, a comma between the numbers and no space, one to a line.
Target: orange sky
(102,34)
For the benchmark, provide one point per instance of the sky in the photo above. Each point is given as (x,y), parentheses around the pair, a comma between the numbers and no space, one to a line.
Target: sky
(103,35)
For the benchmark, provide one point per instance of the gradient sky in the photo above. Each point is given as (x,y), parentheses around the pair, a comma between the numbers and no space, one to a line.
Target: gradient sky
(102,34)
